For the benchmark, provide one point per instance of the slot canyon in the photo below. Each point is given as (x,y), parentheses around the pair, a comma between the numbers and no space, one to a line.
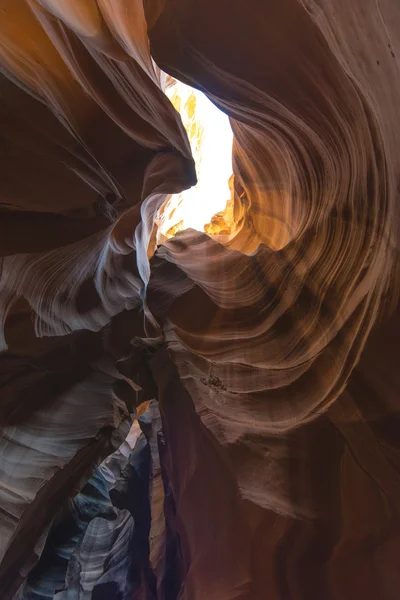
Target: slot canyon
(199,317)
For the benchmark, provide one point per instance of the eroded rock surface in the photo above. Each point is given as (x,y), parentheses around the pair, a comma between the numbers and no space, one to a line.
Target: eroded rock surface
(268,460)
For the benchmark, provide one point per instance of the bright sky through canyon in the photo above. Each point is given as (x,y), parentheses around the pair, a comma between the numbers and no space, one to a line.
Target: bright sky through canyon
(211,137)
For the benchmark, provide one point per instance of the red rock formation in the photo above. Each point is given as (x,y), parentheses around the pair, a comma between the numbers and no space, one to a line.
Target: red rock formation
(272,355)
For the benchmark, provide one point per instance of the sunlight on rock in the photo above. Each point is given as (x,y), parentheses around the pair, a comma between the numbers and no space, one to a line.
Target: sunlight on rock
(207,206)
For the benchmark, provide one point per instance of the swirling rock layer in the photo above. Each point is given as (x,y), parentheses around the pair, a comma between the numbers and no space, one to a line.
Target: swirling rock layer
(272,470)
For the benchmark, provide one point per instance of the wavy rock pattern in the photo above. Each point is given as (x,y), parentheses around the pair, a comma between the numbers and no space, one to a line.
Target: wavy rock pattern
(275,471)
(93,502)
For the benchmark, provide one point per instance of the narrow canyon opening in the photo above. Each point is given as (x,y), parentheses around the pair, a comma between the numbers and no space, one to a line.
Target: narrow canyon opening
(207,206)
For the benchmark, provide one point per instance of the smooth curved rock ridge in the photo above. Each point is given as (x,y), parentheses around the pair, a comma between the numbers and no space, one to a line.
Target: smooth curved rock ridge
(72,78)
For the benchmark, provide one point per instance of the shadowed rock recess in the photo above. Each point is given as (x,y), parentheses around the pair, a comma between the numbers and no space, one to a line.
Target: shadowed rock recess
(214,414)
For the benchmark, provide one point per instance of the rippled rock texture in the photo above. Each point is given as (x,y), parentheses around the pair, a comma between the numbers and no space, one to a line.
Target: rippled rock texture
(262,365)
